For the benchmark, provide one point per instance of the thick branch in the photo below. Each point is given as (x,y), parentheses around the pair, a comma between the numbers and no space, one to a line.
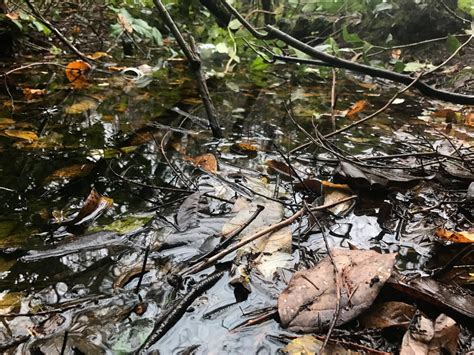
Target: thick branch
(365,69)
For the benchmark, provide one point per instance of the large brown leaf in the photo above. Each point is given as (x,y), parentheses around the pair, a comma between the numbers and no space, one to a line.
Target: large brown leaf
(309,302)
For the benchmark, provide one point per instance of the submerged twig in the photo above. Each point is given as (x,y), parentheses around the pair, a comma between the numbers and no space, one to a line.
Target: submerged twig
(172,317)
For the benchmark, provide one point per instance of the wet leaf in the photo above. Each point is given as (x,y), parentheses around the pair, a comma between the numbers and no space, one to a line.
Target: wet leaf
(244,148)
(10,301)
(6,122)
(31,94)
(455,237)
(81,106)
(207,162)
(76,73)
(431,337)
(25,135)
(278,167)
(356,108)
(334,193)
(308,303)
(94,206)
(71,172)
(187,215)
(388,314)
(312,185)
(267,264)
(125,225)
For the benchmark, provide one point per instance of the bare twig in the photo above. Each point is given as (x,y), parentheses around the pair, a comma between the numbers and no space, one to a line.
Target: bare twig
(58,34)
(195,65)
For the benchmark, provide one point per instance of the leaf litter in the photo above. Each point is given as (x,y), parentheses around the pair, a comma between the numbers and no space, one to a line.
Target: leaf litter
(129,282)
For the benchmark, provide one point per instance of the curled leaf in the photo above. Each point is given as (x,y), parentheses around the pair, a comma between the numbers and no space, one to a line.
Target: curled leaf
(25,135)
(76,73)
(356,108)
(206,161)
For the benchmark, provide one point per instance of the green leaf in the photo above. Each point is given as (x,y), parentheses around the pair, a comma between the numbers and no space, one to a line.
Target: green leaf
(157,37)
(234,25)
(258,64)
(41,27)
(399,67)
(452,43)
(352,38)
(222,48)
(466,6)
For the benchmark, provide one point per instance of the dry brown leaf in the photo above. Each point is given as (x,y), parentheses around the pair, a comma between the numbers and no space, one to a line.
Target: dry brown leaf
(207,162)
(275,166)
(396,53)
(334,193)
(455,237)
(356,108)
(244,148)
(76,73)
(124,23)
(13,16)
(31,94)
(388,314)
(308,303)
(431,337)
(25,135)
(469,119)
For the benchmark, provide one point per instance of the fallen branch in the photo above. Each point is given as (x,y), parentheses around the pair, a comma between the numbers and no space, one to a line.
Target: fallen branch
(270,229)
(275,33)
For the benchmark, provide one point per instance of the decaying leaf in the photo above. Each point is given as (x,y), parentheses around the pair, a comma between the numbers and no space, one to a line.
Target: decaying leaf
(334,193)
(187,215)
(6,122)
(244,148)
(207,162)
(308,303)
(455,237)
(25,135)
(71,172)
(356,108)
(9,301)
(310,345)
(76,73)
(31,94)
(431,337)
(278,167)
(388,314)
(94,206)
(99,55)
(81,106)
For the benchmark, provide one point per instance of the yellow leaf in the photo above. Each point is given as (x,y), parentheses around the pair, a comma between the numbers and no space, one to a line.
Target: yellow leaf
(455,237)
(9,302)
(98,55)
(6,122)
(26,135)
(81,106)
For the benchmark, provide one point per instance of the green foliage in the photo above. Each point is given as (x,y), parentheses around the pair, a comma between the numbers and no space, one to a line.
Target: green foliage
(467,6)
(452,43)
(137,25)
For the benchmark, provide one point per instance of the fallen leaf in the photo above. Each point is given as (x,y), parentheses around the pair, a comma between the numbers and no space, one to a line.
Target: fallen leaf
(278,167)
(71,172)
(308,303)
(187,215)
(334,193)
(207,162)
(455,237)
(25,135)
(244,148)
(12,16)
(469,119)
(76,73)
(9,301)
(396,53)
(6,122)
(431,337)
(81,106)
(356,108)
(94,206)
(388,314)
(99,55)
(31,94)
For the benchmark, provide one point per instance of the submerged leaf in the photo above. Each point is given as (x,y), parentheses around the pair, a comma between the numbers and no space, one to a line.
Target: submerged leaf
(81,106)
(334,193)
(25,135)
(388,314)
(308,303)
(356,108)
(71,172)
